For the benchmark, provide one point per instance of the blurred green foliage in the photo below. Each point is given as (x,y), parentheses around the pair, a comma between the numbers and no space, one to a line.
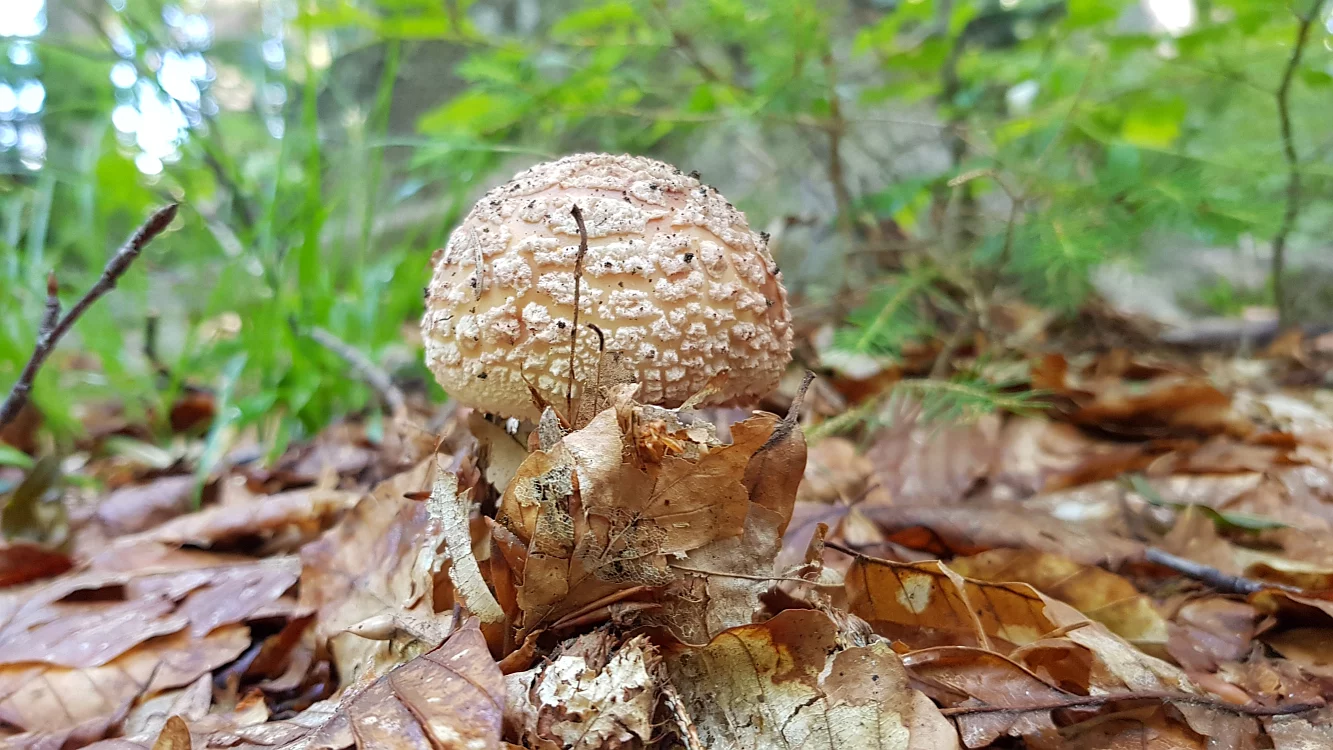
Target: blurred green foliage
(1067,132)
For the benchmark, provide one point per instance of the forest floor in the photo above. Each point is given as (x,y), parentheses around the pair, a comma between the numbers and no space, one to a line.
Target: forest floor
(1141,557)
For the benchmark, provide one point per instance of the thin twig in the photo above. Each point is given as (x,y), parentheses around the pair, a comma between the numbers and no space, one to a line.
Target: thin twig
(52,314)
(1223,582)
(574,332)
(374,375)
(1081,701)
(835,128)
(1293,167)
(745,577)
(49,335)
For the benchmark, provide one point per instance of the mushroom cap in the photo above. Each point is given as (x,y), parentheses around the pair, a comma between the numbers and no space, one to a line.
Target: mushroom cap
(674,279)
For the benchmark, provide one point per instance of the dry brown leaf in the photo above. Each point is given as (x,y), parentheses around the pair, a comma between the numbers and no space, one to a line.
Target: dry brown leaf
(53,699)
(593,694)
(305,509)
(449,698)
(927,604)
(946,532)
(837,472)
(374,605)
(1167,406)
(596,524)
(963,676)
(88,619)
(930,464)
(1306,732)
(1101,595)
(1148,729)
(138,507)
(175,736)
(721,582)
(21,562)
(1309,648)
(785,683)
(1208,631)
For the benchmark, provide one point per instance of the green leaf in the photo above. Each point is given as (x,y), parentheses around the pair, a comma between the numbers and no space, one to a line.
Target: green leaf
(1084,13)
(11,456)
(1154,124)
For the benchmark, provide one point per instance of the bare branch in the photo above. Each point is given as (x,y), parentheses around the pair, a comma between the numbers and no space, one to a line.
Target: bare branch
(1081,701)
(1279,259)
(373,375)
(51,333)
(1223,582)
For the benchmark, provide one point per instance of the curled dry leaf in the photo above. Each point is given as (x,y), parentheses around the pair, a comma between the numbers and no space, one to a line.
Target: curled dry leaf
(304,509)
(595,693)
(786,683)
(963,676)
(376,600)
(450,510)
(601,513)
(927,604)
(1101,595)
(1166,406)
(721,582)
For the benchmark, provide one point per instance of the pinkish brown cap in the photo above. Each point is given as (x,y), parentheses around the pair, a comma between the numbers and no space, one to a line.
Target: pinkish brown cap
(674,278)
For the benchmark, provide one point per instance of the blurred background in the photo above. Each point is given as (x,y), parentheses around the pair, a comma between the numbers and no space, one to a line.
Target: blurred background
(917,162)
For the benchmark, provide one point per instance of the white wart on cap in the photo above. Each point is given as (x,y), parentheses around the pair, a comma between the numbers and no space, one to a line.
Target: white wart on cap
(674,278)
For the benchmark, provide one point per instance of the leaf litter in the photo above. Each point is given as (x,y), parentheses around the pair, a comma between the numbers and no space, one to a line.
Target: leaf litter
(1145,564)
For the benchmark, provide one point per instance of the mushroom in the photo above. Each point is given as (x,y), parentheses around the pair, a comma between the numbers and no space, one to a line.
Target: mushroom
(674,279)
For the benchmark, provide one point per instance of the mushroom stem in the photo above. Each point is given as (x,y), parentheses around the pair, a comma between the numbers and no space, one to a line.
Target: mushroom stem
(574,332)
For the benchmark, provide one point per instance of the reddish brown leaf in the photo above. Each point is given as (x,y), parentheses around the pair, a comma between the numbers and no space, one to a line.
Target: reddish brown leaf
(21,562)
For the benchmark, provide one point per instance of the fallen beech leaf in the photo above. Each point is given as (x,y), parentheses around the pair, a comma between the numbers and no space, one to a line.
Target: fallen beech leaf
(1101,595)
(175,735)
(785,683)
(52,624)
(593,694)
(149,718)
(305,508)
(1141,730)
(1300,732)
(930,463)
(21,562)
(963,676)
(720,583)
(1309,648)
(53,699)
(837,472)
(948,532)
(1174,405)
(367,567)
(596,524)
(449,698)
(138,507)
(1208,631)
(926,604)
